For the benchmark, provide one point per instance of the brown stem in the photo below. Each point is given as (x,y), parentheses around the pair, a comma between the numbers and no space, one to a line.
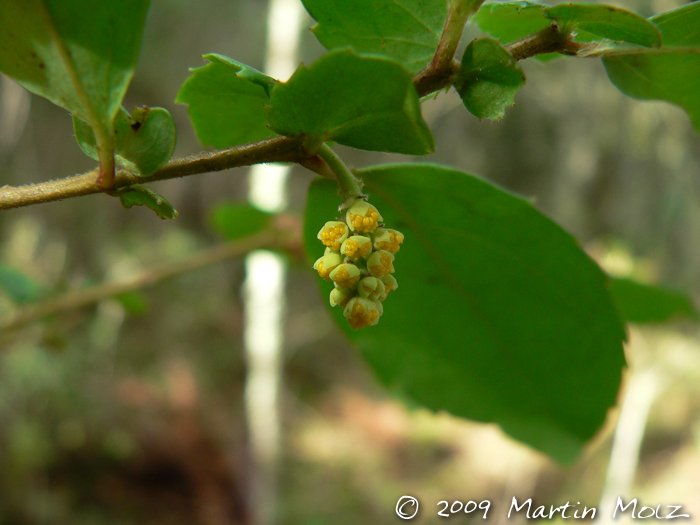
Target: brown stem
(277,149)
(438,73)
(548,40)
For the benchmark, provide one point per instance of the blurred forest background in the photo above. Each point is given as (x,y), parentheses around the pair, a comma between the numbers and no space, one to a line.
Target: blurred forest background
(131,411)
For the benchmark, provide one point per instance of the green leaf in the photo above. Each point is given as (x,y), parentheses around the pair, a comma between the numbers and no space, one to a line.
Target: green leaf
(235,220)
(226,102)
(511,21)
(499,315)
(362,102)
(488,79)
(406,30)
(138,195)
(671,73)
(642,304)
(606,22)
(143,141)
(18,286)
(79,54)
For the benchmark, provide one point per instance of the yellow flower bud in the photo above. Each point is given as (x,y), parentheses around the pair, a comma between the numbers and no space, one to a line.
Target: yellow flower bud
(363,217)
(356,247)
(333,234)
(387,239)
(341,296)
(361,312)
(371,288)
(326,264)
(390,285)
(345,276)
(380,263)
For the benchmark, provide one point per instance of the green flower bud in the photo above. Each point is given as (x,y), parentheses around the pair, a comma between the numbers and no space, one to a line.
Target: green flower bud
(341,296)
(371,288)
(380,263)
(345,275)
(333,234)
(387,239)
(363,217)
(356,247)
(390,285)
(329,262)
(361,312)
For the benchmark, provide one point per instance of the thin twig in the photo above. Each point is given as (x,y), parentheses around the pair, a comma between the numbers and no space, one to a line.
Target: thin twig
(277,149)
(89,296)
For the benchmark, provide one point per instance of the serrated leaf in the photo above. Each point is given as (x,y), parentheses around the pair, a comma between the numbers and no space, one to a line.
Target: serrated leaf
(643,304)
(670,73)
(362,102)
(138,195)
(21,288)
(499,315)
(79,54)
(226,102)
(406,30)
(488,79)
(143,141)
(234,220)
(606,22)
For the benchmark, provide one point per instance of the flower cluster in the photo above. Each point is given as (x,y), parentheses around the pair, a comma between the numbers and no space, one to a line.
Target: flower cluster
(359,259)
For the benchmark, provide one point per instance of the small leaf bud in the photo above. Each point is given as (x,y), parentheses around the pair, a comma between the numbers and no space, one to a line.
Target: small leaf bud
(380,263)
(371,288)
(345,276)
(341,296)
(326,264)
(333,234)
(363,217)
(357,246)
(387,239)
(361,312)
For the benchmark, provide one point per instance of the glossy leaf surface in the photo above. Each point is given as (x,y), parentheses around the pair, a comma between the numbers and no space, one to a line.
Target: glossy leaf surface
(488,79)
(79,54)
(606,22)
(143,141)
(363,102)
(226,102)
(511,21)
(138,195)
(406,30)
(670,73)
(499,315)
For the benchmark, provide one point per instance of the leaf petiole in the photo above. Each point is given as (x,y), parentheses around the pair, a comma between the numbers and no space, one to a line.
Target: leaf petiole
(350,186)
